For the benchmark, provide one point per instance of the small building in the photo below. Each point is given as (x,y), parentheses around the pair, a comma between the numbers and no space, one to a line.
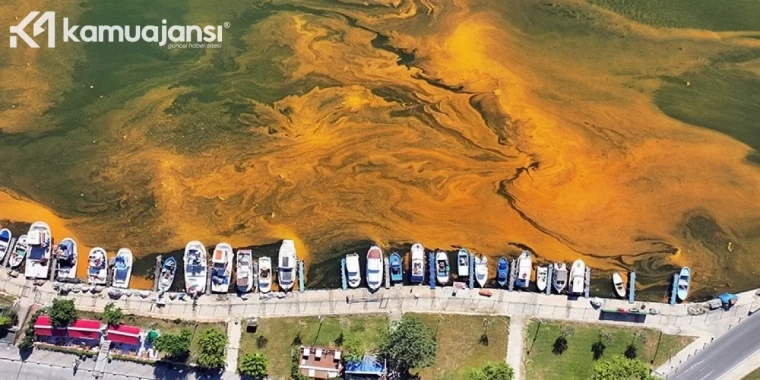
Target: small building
(368,368)
(124,334)
(319,362)
(88,329)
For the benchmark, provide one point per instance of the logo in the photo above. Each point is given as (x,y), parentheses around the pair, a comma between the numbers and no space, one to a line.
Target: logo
(18,30)
(177,36)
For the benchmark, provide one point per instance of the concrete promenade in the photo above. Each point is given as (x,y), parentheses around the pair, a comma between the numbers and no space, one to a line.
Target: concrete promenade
(394,301)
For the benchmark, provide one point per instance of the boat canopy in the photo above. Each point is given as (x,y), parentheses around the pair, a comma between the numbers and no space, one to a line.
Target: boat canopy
(65,250)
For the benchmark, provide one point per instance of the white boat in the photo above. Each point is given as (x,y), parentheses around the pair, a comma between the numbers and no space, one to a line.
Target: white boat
(577,277)
(442,267)
(221,268)
(5,242)
(463,263)
(617,282)
(40,246)
(417,274)
(97,266)
(542,273)
(560,277)
(524,269)
(265,274)
(374,267)
(66,258)
(19,252)
(196,268)
(481,270)
(168,271)
(353,271)
(286,265)
(244,270)
(122,268)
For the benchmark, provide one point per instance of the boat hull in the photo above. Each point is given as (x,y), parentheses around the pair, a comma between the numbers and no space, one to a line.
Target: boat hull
(244,271)
(287,265)
(265,274)
(541,277)
(463,263)
(5,241)
(559,280)
(374,268)
(38,252)
(67,269)
(397,269)
(168,272)
(97,267)
(684,280)
(221,268)
(19,252)
(618,285)
(196,268)
(502,272)
(577,277)
(442,268)
(524,270)
(417,269)
(121,277)
(481,270)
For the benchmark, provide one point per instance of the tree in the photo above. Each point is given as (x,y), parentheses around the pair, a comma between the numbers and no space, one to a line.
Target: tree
(560,345)
(630,352)
(62,313)
(353,349)
(600,345)
(410,345)
(211,348)
(620,368)
(253,365)
(5,321)
(111,315)
(493,371)
(176,346)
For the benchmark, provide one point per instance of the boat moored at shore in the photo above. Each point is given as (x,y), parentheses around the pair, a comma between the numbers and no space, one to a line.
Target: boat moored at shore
(463,263)
(196,267)
(19,252)
(577,277)
(559,280)
(97,266)
(417,273)
(122,268)
(265,274)
(286,265)
(524,270)
(542,274)
(5,242)
(397,268)
(353,271)
(617,283)
(221,268)
(442,268)
(502,272)
(66,259)
(374,267)
(39,241)
(684,281)
(244,270)
(168,271)
(481,270)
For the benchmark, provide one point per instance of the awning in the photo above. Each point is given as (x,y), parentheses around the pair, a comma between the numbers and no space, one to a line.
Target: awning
(85,329)
(367,366)
(42,327)
(124,334)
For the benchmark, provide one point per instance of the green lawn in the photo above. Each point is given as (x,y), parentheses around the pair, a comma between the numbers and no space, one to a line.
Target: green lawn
(699,14)
(165,325)
(577,362)
(459,343)
(754,375)
(282,334)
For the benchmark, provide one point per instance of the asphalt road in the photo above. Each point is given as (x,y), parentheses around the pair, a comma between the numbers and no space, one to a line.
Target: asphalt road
(721,356)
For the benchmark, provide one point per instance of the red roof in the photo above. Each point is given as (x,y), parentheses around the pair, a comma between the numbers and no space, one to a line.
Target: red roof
(81,329)
(42,327)
(85,329)
(124,334)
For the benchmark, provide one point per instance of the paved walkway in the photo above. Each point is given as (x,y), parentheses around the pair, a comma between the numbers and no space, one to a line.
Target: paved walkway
(233,344)
(515,345)
(395,301)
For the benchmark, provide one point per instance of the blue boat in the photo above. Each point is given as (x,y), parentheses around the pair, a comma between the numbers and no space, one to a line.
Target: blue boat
(397,270)
(684,278)
(502,272)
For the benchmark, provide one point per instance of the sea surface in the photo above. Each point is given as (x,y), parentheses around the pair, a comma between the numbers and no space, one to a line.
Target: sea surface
(622,133)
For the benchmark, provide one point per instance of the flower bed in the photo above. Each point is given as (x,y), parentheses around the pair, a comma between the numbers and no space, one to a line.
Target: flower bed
(67,350)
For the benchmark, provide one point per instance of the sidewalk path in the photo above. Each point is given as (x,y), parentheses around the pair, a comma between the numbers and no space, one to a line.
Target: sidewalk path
(233,345)
(515,345)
